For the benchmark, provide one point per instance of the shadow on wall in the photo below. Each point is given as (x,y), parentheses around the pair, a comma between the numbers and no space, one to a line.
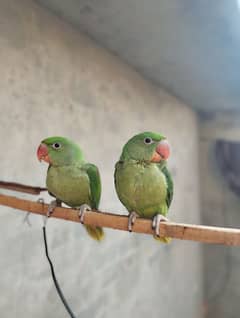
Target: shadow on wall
(220,176)
(228,159)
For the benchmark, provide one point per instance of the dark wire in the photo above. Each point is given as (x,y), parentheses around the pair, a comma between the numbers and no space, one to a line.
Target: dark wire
(59,291)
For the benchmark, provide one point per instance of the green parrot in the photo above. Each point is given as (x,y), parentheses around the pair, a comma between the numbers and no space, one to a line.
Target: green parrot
(142,181)
(70,179)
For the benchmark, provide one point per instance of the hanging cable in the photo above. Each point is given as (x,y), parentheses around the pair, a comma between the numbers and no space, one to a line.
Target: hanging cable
(58,288)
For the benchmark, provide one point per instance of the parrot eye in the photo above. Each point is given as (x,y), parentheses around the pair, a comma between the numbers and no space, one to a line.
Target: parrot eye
(148,140)
(56,145)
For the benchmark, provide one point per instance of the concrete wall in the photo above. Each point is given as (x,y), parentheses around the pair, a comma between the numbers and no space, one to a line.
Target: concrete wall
(220,207)
(55,81)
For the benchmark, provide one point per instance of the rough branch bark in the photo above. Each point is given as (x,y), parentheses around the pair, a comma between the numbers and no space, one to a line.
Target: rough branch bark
(199,233)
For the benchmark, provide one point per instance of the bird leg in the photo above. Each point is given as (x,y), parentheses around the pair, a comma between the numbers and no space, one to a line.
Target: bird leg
(156,223)
(131,220)
(53,204)
(82,210)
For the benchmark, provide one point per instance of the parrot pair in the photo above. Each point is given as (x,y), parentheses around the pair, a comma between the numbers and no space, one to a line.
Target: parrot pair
(142,180)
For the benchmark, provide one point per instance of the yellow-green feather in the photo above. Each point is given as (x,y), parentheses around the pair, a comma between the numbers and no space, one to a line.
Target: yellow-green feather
(71,180)
(95,232)
(75,185)
(143,186)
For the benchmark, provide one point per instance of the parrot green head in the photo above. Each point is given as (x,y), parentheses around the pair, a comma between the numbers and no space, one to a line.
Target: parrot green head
(59,151)
(147,146)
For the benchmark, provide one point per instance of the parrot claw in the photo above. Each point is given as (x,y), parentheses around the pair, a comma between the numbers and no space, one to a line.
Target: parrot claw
(82,210)
(131,220)
(53,204)
(156,223)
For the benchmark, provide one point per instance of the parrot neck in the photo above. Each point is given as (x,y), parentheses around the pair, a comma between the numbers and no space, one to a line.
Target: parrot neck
(75,163)
(125,157)
(161,164)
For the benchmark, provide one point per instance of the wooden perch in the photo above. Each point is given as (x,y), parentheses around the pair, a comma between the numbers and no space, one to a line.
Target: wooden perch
(199,233)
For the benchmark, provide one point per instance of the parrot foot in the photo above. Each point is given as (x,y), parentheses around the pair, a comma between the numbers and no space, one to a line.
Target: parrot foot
(156,223)
(82,210)
(131,220)
(53,204)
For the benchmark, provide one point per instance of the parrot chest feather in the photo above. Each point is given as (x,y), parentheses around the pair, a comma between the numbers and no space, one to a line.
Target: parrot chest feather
(141,188)
(70,184)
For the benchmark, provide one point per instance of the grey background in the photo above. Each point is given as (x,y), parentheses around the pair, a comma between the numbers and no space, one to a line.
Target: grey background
(220,207)
(190,47)
(54,80)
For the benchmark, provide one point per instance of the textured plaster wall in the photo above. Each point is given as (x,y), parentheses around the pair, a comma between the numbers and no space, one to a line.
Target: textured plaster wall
(55,81)
(220,207)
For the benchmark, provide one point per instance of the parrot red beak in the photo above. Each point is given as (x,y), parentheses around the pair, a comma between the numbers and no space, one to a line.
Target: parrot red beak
(42,153)
(162,151)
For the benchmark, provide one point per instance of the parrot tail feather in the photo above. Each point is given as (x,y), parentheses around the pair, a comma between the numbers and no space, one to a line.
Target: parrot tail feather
(165,240)
(96,232)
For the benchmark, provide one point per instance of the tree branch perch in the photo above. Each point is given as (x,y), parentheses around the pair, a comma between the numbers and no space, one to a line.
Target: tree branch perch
(199,233)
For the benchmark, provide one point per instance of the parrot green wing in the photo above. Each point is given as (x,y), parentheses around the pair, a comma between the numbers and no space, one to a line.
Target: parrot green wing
(96,232)
(95,184)
(169,186)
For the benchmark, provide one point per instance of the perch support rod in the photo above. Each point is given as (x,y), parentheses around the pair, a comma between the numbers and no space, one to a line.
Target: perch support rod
(199,233)
(13,186)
